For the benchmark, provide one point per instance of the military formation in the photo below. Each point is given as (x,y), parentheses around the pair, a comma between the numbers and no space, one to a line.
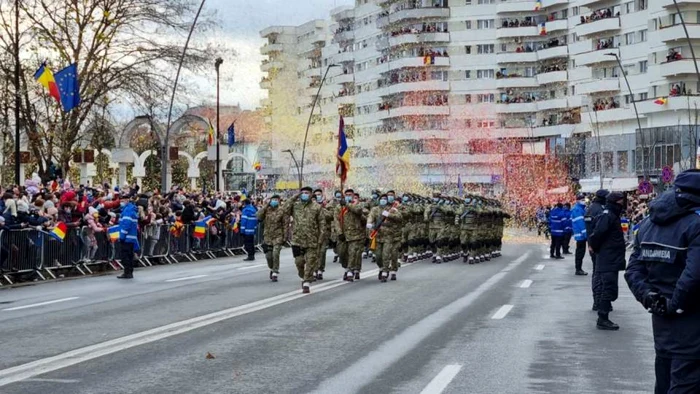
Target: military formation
(385,228)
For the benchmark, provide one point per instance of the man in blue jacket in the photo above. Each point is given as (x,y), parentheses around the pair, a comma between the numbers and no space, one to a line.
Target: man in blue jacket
(128,237)
(556,227)
(664,276)
(580,235)
(568,229)
(249,225)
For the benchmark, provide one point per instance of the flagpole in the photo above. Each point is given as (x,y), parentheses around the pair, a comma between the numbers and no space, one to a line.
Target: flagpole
(217,64)
(18,99)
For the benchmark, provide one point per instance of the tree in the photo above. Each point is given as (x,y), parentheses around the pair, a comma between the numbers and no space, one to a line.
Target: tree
(123,55)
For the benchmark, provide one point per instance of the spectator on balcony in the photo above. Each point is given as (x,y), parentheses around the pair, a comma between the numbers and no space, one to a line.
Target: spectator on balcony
(673,55)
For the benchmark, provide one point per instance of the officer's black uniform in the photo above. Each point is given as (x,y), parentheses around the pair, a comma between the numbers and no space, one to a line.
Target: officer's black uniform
(608,242)
(664,275)
(594,210)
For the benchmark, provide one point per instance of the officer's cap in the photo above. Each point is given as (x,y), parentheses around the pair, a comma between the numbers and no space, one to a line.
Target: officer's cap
(318,191)
(383,196)
(602,193)
(391,192)
(276,196)
(615,197)
(349,191)
(307,189)
(689,182)
(580,197)
(437,194)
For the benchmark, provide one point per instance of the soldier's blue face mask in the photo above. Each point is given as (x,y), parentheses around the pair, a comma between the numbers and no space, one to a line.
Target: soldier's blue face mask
(391,198)
(374,196)
(274,203)
(405,199)
(305,197)
(319,198)
(382,202)
(435,199)
(338,196)
(348,198)
(467,200)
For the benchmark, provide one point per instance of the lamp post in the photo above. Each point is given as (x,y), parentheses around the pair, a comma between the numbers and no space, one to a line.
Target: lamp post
(308,124)
(217,64)
(296,164)
(166,140)
(18,99)
(636,113)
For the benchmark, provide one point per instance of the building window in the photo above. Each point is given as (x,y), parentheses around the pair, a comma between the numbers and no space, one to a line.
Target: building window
(468,98)
(469,24)
(485,48)
(643,35)
(485,24)
(629,38)
(622,161)
(468,74)
(485,74)
(641,5)
(643,96)
(467,2)
(629,7)
(643,66)
(574,11)
(607,162)
(486,98)
(468,49)
(595,167)
(487,1)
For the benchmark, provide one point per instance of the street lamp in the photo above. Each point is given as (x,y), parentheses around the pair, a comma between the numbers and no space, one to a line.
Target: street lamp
(18,97)
(296,164)
(217,64)
(636,113)
(308,124)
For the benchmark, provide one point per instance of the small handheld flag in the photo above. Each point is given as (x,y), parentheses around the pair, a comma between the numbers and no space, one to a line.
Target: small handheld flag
(59,232)
(543,29)
(210,133)
(113,233)
(200,228)
(231,134)
(661,101)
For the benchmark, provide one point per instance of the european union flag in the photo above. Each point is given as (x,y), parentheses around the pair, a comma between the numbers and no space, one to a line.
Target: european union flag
(68,88)
(231,135)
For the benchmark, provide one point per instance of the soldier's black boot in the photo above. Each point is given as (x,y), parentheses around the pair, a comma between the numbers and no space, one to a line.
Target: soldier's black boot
(348,276)
(306,288)
(357,275)
(605,324)
(393,275)
(273,276)
(383,276)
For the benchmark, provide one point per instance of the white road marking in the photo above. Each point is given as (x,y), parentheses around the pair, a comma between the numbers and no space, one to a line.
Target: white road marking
(17,308)
(526,283)
(251,267)
(442,380)
(502,312)
(516,262)
(53,380)
(186,278)
(77,356)
(374,364)
(539,267)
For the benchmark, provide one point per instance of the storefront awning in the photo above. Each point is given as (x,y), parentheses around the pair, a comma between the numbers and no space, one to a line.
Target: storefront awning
(624,184)
(592,185)
(559,190)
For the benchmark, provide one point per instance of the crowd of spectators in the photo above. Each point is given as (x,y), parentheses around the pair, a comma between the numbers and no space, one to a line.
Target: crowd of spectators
(518,22)
(598,15)
(605,104)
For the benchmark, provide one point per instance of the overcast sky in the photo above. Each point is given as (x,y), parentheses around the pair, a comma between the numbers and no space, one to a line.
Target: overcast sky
(241,22)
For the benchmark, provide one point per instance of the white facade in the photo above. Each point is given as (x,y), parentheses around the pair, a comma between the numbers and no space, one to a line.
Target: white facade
(424,85)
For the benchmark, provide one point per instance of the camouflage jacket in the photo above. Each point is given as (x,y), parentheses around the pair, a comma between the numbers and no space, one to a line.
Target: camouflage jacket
(308,222)
(391,227)
(435,214)
(327,213)
(274,224)
(351,221)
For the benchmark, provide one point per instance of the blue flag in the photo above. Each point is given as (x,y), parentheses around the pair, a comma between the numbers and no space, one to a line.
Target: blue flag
(459,185)
(68,88)
(231,135)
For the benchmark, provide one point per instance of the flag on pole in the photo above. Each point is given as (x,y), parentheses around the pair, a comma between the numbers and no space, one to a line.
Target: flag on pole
(231,135)
(113,233)
(68,88)
(200,228)
(661,101)
(343,159)
(210,133)
(45,77)
(543,29)
(538,5)
(59,232)
(460,187)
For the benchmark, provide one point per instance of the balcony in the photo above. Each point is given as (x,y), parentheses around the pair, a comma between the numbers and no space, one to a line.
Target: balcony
(610,115)
(422,86)
(273,65)
(313,72)
(516,6)
(600,86)
(678,67)
(515,32)
(551,131)
(412,14)
(345,57)
(547,105)
(517,108)
(419,38)
(596,57)
(516,57)
(599,26)
(551,3)
(553,53)
(558,25)
(676,103)
(552,77)
(417,62)
(343,36)
(518,82)
(589,3)
(268,48)
(669,3)
(265,84)
(418,110)
(676,33)
(344,78)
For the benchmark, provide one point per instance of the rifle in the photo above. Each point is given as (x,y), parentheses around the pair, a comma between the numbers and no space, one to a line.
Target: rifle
(373,234)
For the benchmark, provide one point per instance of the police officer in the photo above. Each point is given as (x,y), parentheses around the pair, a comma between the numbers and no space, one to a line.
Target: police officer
(664,276)
(580,233)
(594,210)
(556,227)
(568,229)
(608,241)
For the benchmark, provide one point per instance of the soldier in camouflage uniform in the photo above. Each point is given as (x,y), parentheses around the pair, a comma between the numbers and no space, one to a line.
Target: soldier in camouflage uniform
(334,206)
(434,215)
(352,233)
(467,220)
(386,221)
(327,212)
(373,202)
(454,250)
(273,220)
(308,230)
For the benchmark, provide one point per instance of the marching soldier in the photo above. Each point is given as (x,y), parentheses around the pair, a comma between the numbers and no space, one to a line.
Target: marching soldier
(306,234)
(351,235)
(434,214)
(327,213)
(334,206)
(385,223)
(468,222)
(273,220)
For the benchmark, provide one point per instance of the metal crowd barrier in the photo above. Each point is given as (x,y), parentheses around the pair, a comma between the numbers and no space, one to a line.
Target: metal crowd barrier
(33,252)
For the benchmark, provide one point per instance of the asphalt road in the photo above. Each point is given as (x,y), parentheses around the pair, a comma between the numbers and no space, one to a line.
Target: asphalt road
(518,324)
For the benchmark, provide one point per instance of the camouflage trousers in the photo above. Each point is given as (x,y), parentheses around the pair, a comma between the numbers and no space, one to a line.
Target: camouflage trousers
(387,255)
(350,254)
(305,259)
(272,255)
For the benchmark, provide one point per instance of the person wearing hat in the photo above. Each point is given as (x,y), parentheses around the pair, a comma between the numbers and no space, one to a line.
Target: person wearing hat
(594,210)
(434,214)
(608,241)
(352,232)
(580,234)
(664,276)
(273,222)
(556,227)
(306,234)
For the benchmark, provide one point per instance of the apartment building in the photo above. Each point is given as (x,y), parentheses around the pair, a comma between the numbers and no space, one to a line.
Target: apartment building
(438,90)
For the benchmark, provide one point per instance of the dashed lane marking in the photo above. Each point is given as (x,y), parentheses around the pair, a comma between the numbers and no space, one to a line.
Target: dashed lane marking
(502,312)
(17,308)
(442,380)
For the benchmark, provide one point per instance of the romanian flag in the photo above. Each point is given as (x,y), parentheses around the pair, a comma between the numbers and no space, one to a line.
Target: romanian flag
(200,227)
(257,166)
(113,233)
(45,77)
(661,101)
(59,232)
(538,5)
(343,165)
(211,222)
(210,133)
(625,223)
(543,29)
